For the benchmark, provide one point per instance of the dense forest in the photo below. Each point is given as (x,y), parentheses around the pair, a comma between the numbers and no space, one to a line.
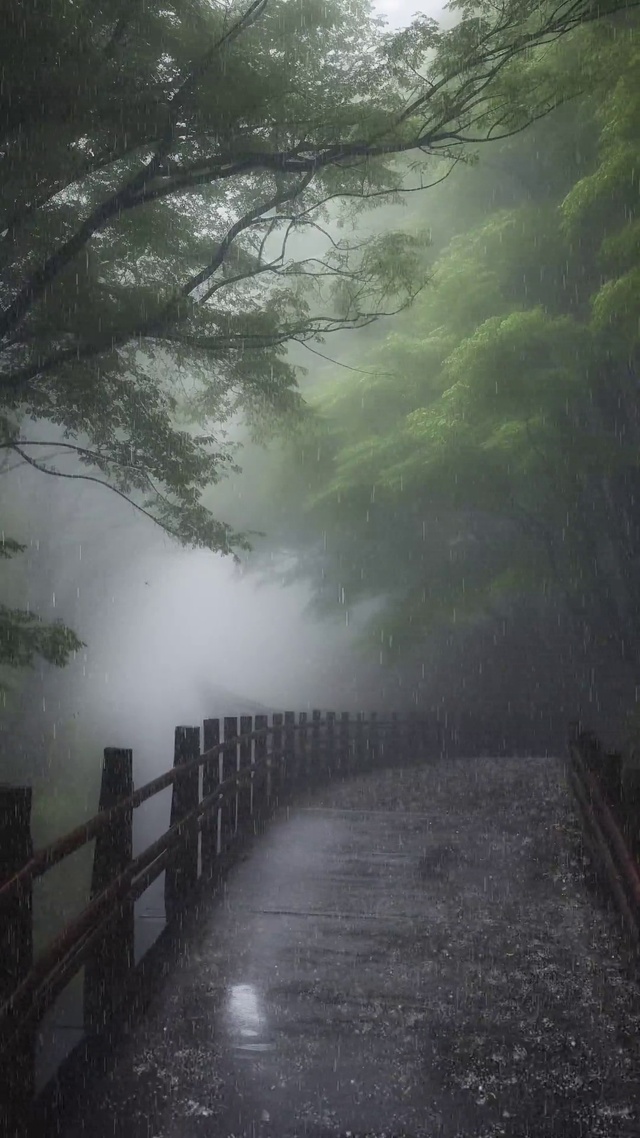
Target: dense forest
(473,472)
(394,275)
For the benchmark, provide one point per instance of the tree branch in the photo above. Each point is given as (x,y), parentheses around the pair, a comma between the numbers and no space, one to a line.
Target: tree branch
(244,222)
(108,485)
(129,195)
(143,187)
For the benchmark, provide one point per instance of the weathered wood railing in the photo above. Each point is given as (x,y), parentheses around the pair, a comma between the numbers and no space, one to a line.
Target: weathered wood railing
(608,795)
(219,795)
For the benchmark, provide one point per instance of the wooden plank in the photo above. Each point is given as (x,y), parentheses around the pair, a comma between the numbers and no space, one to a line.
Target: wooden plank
(303,748)
(291,766)
(262,783)
(360,743)
(345,744)
(277,746)
(331,760)
(107,967)
(182,873)
(210,781)
(244,763)
(16,953)
(315,758)
(229,768)
(373,741)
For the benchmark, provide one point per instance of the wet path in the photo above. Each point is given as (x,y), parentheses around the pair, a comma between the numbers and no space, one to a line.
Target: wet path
(413,958)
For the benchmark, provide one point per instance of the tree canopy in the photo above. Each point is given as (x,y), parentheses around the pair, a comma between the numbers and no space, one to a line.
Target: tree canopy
(159,165)
(486,454)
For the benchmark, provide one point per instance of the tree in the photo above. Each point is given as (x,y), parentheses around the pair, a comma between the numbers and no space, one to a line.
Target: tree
(153,186)
(486,459)
(24,635)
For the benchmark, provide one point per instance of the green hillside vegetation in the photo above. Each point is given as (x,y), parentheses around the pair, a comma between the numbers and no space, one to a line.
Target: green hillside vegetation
(485,456)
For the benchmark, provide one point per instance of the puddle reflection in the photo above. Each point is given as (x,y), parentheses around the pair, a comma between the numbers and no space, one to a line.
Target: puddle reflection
(247,1021)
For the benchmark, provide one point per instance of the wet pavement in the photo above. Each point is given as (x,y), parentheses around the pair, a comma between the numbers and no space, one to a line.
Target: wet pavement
(408,955)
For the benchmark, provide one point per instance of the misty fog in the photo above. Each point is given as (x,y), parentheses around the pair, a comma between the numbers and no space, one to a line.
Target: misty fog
(172,635)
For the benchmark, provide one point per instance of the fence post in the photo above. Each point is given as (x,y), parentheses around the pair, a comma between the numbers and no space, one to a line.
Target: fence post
(210,782)
(612,774)
(277,773)
(303,747)
(108,965)
(395,740)
(316,772)
(182,871)
(330,737)
(441,725)
(16,953)
(373,742)
(244,764)
(228,769)
(261,780)
(411,741)
(291,766)
(575,728)
(382,734)
(425,737)
(360,743)
(345,765)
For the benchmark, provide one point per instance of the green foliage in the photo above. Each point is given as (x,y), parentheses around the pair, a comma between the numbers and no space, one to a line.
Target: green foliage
(616,307)
(151,183)
(525,364)
(487,451)
(9,547)
(622,248)
(24,635)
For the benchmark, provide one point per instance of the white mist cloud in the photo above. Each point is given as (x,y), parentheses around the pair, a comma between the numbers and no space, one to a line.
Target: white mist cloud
(399,13)
(173,635)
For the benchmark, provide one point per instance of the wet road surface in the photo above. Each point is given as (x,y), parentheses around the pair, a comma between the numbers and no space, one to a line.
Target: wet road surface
(414,957)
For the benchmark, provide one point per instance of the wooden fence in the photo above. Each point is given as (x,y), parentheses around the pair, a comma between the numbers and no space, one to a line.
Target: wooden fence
(607,792)
(219,796)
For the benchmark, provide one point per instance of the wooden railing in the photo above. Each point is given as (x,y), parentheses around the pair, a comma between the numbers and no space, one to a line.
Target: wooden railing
(607,792)
(219,795)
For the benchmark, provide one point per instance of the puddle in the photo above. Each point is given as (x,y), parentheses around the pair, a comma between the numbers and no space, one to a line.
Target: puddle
(247,1022)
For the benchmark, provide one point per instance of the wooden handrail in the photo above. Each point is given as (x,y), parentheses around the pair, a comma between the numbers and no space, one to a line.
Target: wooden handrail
(608,823)
(50,855)
(101,936)
(57,850)
(601,851)
(608,819)
(118,889)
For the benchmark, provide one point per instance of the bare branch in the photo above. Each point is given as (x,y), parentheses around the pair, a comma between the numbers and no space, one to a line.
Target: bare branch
(347,367)
(89,478)
(243,223)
